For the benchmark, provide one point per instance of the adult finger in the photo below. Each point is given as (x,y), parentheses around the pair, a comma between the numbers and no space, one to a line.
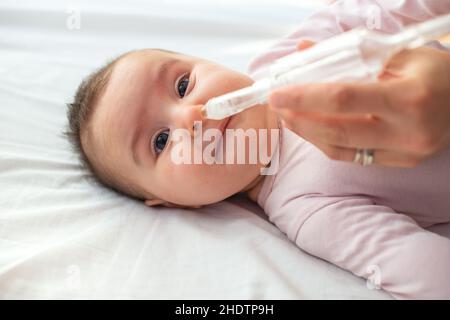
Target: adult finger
(361,131)
(381,157)
(334,98)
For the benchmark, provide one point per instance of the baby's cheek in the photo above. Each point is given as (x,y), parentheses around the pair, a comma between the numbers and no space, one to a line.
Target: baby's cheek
(184,176)
(194,183)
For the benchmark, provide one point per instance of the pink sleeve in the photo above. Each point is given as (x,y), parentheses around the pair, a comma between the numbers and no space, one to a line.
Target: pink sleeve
(381,245)
(383,15)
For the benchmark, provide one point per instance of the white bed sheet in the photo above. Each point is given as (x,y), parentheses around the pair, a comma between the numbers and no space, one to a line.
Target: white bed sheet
(63,237)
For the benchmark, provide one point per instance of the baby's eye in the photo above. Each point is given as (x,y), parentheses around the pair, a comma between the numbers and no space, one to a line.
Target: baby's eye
(182,85)
(161,141)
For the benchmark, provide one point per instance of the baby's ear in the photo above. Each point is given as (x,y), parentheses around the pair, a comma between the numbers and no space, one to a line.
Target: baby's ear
(158,202)
(154,202)
(173,205)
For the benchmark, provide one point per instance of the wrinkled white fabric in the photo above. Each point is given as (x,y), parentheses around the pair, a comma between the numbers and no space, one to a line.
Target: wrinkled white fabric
(63,237)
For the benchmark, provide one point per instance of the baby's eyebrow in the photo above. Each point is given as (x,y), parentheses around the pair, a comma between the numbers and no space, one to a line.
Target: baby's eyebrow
(160,72)
(162,68)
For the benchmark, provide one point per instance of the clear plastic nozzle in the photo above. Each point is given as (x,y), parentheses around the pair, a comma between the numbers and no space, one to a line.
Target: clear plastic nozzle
(237,101)
(357,55)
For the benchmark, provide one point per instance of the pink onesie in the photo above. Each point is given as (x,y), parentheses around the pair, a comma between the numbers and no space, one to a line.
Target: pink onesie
(368,220)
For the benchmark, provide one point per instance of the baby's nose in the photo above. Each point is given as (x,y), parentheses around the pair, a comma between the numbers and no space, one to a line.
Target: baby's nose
(185,117)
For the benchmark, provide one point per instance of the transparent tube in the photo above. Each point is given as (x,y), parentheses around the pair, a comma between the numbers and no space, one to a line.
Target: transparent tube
(357,55)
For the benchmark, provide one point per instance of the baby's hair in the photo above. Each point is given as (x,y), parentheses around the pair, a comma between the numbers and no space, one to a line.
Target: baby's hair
(79,113)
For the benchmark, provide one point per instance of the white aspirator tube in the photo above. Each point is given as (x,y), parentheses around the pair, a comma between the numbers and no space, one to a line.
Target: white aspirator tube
(356,55)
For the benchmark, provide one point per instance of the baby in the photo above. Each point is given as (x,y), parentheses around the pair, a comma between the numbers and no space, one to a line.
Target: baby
(121,120)
(368,220)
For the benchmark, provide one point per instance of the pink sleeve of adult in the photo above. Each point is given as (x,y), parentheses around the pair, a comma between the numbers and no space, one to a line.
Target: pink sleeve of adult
(383,15)
(388,248)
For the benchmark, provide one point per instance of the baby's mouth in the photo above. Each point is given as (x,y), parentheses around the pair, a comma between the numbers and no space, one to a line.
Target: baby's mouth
(220,146)
(224,124)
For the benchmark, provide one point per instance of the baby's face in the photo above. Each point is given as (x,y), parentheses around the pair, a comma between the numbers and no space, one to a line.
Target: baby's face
(151,93)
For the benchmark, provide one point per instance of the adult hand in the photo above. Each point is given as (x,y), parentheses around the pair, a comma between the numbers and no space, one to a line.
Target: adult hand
(404,117)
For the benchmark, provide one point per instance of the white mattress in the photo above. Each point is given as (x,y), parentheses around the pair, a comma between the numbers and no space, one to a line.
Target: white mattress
(64,237)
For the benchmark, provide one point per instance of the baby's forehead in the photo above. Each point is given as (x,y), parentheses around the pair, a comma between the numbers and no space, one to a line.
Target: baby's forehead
(110,112)
(122,90)
(136,59)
